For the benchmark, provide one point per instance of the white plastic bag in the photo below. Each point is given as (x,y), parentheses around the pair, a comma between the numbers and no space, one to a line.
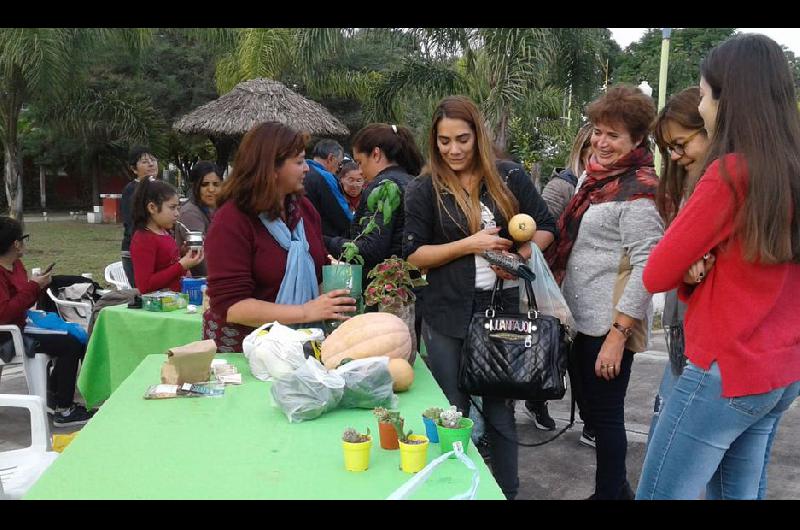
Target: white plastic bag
(405,491)
(274,350)
(367,384)
(549,299)
(308,392)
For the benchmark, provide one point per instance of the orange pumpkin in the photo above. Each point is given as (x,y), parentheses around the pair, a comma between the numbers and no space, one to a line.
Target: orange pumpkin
(367,335)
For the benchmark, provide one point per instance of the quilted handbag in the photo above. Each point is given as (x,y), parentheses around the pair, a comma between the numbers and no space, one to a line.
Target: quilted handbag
(514,355)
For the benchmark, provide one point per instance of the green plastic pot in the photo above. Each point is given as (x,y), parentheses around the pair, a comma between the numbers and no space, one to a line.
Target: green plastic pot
(447,436)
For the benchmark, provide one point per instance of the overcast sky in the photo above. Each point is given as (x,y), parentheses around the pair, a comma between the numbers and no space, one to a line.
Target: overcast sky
(789,37)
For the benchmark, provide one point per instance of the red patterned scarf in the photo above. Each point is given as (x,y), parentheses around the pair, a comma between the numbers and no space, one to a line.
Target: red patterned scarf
(629,178)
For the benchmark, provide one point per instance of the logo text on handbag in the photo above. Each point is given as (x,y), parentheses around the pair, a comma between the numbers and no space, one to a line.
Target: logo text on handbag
(510,324)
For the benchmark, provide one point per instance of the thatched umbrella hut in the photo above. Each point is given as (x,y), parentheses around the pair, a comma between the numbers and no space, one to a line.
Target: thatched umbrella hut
(252,102)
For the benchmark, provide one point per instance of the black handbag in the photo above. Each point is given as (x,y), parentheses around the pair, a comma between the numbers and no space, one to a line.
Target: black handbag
(514,355)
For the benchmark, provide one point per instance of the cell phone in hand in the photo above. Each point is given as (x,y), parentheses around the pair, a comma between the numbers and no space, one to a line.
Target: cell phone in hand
(49,268)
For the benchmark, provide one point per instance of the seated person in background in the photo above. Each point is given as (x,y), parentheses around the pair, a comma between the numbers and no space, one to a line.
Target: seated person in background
(265,249)
(143,164)
(17,295)
(157,261)
(323,190)
(352,181)
(197,212)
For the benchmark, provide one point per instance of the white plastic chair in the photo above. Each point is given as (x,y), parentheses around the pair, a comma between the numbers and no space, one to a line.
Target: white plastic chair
(82,310)
(35,368)
(21,468)
(115,275)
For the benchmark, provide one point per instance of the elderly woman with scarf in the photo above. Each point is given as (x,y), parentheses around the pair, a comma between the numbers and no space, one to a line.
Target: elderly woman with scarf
(606,234)
(265,250)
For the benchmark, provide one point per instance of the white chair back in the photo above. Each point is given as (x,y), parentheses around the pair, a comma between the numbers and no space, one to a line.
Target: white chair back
(115,275)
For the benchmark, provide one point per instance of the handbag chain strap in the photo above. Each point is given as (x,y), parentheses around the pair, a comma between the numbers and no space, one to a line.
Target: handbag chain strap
(537,444)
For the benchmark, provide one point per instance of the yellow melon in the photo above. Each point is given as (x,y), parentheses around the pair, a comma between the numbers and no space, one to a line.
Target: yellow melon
(402,374)
(522,227)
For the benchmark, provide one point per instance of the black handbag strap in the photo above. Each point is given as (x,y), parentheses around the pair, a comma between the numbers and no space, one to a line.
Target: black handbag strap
(538,444)
(498,285)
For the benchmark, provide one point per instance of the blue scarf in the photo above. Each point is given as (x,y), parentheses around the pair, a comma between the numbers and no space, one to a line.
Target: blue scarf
(333,184)
(299,283)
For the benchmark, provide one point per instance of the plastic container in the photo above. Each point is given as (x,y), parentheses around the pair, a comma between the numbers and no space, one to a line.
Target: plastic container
(164,301)
(448,436)
(194,288)
(413,457)
(430,430)
(356,455)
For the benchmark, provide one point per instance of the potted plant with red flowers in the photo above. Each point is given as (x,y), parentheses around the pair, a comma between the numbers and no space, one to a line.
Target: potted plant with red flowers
(391,289)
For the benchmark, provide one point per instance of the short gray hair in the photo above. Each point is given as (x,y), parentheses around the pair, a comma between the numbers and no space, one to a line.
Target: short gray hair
(325,148)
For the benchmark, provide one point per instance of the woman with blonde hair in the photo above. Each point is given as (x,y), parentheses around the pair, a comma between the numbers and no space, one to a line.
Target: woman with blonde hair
(458,208)
(561,187)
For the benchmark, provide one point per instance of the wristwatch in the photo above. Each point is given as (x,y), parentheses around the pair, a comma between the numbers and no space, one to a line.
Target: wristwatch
(622,329)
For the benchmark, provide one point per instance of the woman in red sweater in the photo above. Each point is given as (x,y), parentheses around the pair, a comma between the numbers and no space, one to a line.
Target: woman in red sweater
(157,262)
(742,325)
(265,249)
(17,295)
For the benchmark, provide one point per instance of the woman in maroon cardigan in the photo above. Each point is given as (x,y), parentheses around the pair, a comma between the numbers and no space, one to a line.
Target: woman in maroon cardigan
(264,247)
(742,326)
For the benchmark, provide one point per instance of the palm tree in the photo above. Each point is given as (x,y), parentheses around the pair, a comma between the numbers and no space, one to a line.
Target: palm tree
(39,63)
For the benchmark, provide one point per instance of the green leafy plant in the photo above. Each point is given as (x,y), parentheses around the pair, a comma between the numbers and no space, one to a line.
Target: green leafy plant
(392,283)
(384,199)
(432,413)
(398,422)
(352,436)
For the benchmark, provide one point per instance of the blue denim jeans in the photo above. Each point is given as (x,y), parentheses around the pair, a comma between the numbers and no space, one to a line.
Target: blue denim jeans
(704,440)
(664,390)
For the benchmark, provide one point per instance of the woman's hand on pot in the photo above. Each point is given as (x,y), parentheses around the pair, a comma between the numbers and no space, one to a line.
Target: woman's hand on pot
(609,360)
(487,239)
(329,306)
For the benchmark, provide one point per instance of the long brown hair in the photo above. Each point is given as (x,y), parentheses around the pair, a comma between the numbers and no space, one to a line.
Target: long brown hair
(757,117)
(582,142)
(252,184)
(675,184)
(446,181)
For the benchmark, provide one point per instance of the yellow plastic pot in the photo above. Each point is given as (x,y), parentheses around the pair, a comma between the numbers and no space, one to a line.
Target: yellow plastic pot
(356,455)
(413,457)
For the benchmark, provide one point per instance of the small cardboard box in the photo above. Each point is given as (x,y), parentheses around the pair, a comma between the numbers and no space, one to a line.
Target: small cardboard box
(189,364)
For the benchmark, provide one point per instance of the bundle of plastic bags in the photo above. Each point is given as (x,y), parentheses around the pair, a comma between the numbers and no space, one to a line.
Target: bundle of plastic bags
(274,350)
(312,390)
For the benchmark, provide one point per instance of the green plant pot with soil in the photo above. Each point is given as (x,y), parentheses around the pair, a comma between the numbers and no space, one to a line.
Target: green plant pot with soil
(342,276)
(452,428)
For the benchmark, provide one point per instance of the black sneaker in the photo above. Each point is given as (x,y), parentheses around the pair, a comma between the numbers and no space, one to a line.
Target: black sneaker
(587,437)
(541,418)
(75,415)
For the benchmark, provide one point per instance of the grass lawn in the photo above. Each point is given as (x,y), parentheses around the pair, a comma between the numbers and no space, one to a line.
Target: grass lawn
(76,247)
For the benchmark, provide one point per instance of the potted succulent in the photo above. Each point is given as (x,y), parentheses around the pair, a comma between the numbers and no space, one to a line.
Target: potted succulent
(430,417)
(356,447)
(452,427)
(386,427)
(413,448)
(346,271)
(391,289)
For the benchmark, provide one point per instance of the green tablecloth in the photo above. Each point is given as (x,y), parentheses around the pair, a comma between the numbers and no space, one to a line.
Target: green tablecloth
(239,446)
(122,337)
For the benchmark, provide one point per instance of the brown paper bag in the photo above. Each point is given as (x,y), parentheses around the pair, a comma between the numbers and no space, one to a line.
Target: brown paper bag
(190,363)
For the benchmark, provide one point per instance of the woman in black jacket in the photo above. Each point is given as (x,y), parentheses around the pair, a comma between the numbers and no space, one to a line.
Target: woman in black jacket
(454,212)
(383,152)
